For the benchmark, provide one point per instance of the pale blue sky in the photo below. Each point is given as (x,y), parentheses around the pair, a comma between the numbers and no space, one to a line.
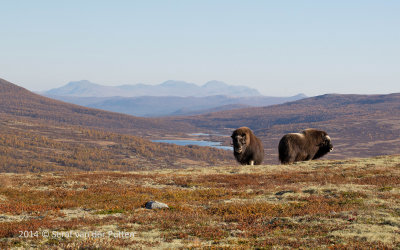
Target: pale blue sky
(279,47)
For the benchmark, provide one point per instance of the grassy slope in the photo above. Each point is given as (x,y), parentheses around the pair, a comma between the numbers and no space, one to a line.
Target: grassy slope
(350,203)
(29,146)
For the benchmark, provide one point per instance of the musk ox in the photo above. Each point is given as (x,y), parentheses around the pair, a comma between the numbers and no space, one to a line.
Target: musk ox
(308,145)
(247,148)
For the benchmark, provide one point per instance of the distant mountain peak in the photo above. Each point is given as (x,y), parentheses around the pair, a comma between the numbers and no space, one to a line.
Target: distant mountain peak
(81,82)
(214,83)
(85,88)
(301,95)
(173,83)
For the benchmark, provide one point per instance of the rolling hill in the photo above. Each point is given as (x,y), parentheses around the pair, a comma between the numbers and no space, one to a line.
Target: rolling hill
(359,125)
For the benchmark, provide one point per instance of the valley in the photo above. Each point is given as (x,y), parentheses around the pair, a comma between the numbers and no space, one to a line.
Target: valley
(40,147)
(75,177)
(359,125)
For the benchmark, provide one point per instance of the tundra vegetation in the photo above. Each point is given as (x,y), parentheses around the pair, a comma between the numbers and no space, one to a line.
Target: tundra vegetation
(27,146)
(319,204)
(51,154)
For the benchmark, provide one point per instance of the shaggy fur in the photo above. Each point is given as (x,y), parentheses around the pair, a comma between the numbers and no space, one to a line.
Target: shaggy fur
(308,145)
(247,148)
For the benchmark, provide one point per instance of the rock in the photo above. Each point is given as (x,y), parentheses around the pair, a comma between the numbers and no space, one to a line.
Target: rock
(284,192)
(155,205)
(309,191)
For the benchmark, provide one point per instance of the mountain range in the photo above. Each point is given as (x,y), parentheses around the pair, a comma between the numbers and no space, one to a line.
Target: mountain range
(166,99)
(152,106)
(86,88)
(359,125)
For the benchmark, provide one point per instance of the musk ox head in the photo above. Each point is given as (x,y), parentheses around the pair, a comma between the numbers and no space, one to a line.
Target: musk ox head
(240,139)
(325,146)
(247,148)
(320,138)
(326,143)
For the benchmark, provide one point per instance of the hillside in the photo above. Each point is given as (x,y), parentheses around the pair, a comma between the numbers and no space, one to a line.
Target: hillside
(38,134)
(348,204)
(359,125)
(33,147)
(17,102)
(150,106)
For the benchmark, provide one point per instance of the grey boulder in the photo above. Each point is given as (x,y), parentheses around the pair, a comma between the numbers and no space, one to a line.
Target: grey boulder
(155,205)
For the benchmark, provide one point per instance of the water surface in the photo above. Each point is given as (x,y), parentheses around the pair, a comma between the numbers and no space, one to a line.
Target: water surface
(197,143)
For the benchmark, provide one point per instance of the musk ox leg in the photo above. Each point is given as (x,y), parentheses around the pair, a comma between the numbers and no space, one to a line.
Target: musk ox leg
(252,163)
(291,159)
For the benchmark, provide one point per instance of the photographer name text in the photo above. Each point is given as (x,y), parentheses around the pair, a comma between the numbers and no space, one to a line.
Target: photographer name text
(76,234)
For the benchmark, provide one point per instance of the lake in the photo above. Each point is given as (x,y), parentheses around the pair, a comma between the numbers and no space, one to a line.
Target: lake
(203,134)
(197,143)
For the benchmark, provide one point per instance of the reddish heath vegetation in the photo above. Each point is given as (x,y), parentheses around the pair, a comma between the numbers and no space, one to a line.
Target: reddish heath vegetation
(340,204)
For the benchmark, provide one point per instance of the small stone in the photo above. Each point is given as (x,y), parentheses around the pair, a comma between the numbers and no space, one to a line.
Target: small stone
(155,205)
(309,191)
(284,192)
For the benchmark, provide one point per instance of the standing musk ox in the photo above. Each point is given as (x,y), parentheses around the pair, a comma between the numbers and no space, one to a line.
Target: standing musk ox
(247,148)
(308,145)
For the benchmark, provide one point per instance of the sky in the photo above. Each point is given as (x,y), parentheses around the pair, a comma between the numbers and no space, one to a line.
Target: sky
(281,48)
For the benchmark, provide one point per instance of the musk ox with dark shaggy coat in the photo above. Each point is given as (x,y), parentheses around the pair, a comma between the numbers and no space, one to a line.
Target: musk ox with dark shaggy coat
(308,145)
(247,148)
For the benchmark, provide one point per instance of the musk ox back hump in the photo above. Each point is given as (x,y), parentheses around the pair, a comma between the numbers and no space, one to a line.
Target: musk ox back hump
(247,148)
